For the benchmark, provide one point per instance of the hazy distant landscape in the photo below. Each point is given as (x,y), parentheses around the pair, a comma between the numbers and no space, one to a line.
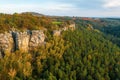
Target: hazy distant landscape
(60,40)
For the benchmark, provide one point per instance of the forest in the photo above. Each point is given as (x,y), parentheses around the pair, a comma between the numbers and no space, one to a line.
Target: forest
(90,52)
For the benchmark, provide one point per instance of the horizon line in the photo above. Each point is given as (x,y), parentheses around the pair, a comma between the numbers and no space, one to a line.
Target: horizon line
(60,15)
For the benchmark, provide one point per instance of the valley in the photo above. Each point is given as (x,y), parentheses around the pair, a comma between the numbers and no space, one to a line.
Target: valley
(34,46)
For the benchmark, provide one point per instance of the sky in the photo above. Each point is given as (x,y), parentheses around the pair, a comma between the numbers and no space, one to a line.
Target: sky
(82,8)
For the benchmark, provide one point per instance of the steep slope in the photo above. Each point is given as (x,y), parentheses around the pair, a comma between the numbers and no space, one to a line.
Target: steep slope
(83,53)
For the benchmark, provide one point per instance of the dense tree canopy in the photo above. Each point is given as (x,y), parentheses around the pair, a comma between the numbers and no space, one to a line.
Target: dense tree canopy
(82,54)
(27,21)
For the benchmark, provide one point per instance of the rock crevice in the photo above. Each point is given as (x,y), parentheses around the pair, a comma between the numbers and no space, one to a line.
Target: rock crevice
(15,40)
(26,40)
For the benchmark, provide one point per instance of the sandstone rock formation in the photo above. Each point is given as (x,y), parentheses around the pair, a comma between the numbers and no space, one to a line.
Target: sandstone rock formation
(69,27)
(23,41)
(6,43)
(37,38)
(56,32)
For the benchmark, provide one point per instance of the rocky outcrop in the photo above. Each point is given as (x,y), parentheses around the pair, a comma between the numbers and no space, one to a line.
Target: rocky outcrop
(6,43)
(23,41)
(37,38)
(69,27)
(56,32)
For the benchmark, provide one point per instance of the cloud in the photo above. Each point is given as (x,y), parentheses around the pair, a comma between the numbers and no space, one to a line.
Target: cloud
(93,13)
(59,6)
(63,7)
(111,4)
(12,8)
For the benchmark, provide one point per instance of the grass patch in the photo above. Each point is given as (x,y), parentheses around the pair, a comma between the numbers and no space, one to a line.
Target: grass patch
(57,22)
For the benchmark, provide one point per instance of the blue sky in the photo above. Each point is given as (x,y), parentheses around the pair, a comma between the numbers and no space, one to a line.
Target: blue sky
(86,8)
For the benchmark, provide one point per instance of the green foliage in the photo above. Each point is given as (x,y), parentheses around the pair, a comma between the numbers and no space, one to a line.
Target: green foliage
(76,55)
(27,21)
(56,22)
(15,66)
(82,54)
(90,54)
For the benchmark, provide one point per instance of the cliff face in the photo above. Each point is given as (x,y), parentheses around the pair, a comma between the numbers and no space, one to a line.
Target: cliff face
(23,41)
(69,27)
(6,43)
(37,38)
(56,32)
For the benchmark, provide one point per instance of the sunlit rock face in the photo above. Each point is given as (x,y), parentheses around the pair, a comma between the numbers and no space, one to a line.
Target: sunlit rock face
(6,43)
(56,32)
(21,40)
(71,26)
(68,27)
(26,40)
(37,38)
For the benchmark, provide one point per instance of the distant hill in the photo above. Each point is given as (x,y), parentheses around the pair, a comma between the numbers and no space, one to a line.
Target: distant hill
(39,47)
(35,13)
